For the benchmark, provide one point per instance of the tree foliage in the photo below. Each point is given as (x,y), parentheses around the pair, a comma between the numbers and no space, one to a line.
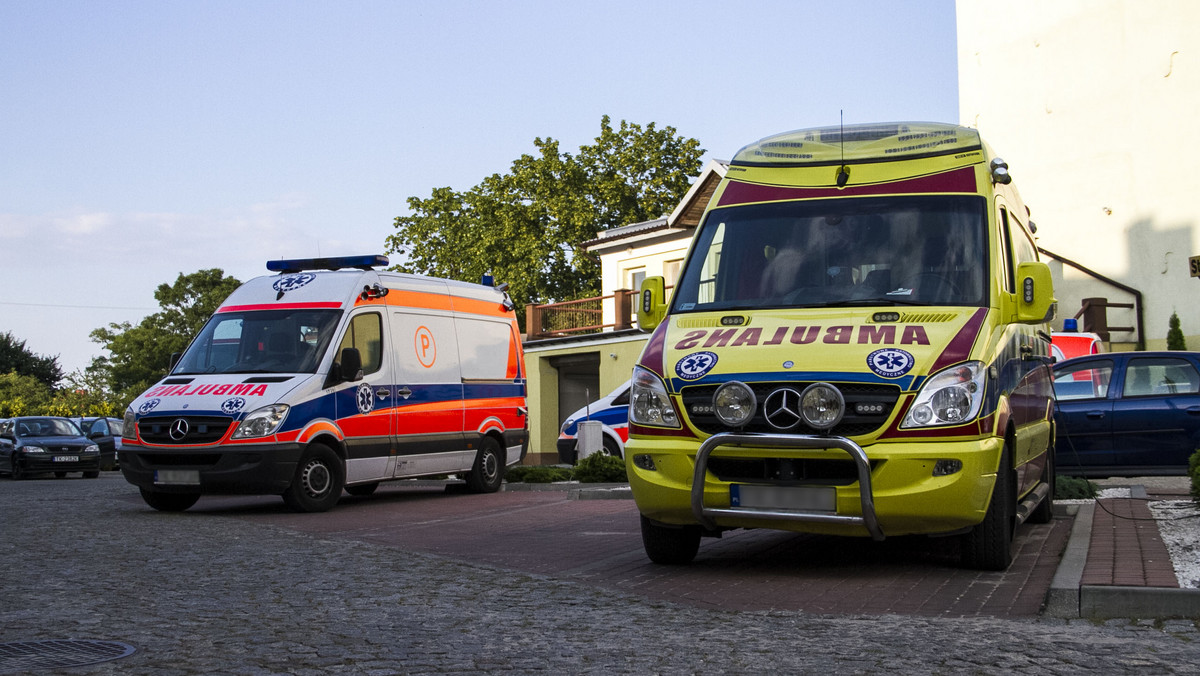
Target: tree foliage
(1175,339)
(526,227)
(140,355)
(16,358)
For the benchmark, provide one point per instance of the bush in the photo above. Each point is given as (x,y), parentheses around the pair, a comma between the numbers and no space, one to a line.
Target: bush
(1194,474)
(537,474)
(1073,488)
(601,468)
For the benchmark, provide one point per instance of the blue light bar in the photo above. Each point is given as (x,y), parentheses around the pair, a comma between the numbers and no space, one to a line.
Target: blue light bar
(336,263)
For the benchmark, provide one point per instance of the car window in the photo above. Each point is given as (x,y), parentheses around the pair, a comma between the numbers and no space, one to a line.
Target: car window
(1158,376)
(1088,380)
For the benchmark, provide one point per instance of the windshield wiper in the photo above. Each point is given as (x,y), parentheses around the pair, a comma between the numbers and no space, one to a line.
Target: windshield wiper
(872,302)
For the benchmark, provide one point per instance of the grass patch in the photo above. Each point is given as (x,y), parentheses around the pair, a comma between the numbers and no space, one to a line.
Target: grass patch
(1073,488)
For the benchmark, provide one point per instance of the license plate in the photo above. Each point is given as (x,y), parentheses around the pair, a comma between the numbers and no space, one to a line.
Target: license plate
(177,477)
(66,458)
(808,498)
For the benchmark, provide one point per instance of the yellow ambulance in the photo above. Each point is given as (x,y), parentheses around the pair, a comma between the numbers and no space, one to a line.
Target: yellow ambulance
(858,345)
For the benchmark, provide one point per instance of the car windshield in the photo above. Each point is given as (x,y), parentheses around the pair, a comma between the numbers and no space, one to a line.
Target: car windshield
(260,341)
(47,427)
(871,251)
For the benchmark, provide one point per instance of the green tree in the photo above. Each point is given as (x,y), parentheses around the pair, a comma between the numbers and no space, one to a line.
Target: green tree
(16,358)
(140,355)
(23,395)
(526,227)
(1175,340)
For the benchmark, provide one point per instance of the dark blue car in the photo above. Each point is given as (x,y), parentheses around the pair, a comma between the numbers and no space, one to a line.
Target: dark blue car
(1127,413)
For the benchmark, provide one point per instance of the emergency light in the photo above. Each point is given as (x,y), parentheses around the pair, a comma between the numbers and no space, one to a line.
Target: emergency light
(336,263)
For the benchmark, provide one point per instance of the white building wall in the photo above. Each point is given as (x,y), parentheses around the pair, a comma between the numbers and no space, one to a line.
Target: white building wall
(1094,104)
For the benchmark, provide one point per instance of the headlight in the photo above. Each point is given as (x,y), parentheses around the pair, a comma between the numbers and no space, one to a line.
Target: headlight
(262,422)
(734,403)
(565,425)
(33,449)
(950,397)
(91,449)
(822,405)
(649,403)
(129,425)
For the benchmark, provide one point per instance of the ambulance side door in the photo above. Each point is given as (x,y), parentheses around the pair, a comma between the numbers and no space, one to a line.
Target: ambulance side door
(364,407)
(428,420)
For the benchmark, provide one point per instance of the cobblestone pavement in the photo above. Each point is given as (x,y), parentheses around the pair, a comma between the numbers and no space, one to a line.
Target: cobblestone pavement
(210,593)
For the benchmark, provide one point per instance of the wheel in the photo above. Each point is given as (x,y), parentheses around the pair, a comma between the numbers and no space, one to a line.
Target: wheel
(18,472)
(91,475)
(169,502)
(488,472)
(989,545)
(362,489)
(611,447)
(670,546)
(318,481)
(1044,512)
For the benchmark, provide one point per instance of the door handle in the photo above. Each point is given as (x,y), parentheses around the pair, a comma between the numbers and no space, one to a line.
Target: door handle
(383,393)
(1095,415)
(1194,410)
(404,392)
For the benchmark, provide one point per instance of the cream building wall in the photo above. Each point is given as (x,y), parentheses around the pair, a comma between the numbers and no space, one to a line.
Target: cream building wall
(1094,106)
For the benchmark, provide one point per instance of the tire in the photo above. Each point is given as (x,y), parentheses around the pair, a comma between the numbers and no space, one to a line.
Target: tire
(318,481)
(670,546)
(611,447)
(487,474)
(1044,512)
(91,475)
(989,545)
(169,502)
(362,489)
(18,472)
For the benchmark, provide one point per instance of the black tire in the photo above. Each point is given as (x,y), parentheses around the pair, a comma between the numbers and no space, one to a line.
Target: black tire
(487,474)
(18,472)
(169,502)
(611,447)
(92,475)
(362,489)
(1044,512)
(318,481)
(989,545)
(670,546)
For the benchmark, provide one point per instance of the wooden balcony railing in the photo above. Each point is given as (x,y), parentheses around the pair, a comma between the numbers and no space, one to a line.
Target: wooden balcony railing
(572,317)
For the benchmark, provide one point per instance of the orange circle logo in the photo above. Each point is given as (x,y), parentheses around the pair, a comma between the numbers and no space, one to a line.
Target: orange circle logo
(425,347)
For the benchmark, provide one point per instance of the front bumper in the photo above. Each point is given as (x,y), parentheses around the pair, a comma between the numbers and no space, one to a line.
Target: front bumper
(258,469)
(895,493)
(45,462)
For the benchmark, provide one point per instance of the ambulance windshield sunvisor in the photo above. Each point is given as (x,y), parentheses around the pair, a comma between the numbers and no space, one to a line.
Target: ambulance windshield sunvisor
(858,142)
(261,341)
(871,251)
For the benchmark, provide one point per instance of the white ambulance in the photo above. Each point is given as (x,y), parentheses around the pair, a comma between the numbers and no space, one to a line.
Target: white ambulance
(333,375)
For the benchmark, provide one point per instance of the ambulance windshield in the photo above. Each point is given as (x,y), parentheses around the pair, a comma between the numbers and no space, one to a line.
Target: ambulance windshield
(871,251)
(260,341)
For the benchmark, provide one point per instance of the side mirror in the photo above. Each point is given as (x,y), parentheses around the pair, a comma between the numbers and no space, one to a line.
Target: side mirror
(351,365)
(652,303)
(347,370)
(1035,293)
(175,357)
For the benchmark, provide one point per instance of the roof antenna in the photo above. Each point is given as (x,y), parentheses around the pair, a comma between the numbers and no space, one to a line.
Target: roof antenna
(843,175)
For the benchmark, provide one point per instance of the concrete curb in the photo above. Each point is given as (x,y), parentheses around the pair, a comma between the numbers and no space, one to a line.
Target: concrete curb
(1068,598)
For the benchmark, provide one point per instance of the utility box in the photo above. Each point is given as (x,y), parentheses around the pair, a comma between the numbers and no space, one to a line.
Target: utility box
(590,439)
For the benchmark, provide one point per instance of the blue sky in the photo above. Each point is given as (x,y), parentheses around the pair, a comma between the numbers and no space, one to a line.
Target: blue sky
(144,139)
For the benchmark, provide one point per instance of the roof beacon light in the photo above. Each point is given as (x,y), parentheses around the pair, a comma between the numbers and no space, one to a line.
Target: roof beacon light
(337,263)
